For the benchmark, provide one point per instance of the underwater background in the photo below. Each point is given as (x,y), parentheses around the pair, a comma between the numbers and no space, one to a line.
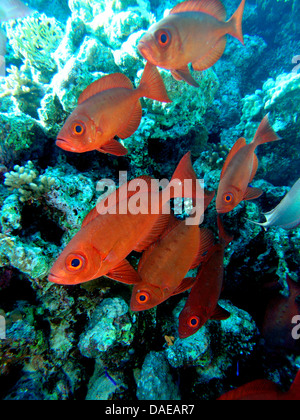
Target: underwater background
(83,341)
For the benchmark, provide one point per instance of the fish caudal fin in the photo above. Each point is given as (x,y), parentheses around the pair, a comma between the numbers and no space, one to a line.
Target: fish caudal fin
(152,85)
(236,23)
(265,133)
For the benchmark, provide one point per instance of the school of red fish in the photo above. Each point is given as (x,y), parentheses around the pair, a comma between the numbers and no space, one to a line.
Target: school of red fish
(195,32)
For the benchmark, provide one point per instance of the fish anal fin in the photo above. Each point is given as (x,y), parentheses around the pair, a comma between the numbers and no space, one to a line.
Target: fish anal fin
(252,193)
(106,82)
(184,74)
(241,142)
(206,242)
(186,284)
(114,148)
(212,7)
(213,55)
(133,123)
(220,314)
(124,273)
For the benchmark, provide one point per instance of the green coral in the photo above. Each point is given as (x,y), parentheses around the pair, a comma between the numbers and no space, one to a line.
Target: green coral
(29,184)
(34,39)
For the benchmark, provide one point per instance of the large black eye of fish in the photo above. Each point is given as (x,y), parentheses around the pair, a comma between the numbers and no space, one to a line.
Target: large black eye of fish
(142,297)
(78,128)
(75,262)
(193,321)
(228,197)
(163,37)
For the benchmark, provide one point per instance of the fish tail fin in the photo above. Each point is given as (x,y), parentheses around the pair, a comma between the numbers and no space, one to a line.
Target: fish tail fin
(236,23)
(184,182)
(152,85)
(265,133)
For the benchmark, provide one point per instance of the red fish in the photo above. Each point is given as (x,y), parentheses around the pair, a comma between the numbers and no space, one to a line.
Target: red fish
(107,108)
(277,325)
(194,32)
(104,241)
(202,303)
(164,265)
(264,390)
(240,168)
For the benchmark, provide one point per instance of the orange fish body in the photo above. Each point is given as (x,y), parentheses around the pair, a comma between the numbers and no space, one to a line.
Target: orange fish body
(202,303)
(107,108)
(164,265)
(264,390)
(240,168)
(194,32)
(105,239)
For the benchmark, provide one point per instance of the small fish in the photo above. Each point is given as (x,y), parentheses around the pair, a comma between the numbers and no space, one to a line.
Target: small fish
(107,108)
(194,32)
(287,214)
(240,168)
(181,246)
(104,240)
(277,324)
(13,9)
(263,389)
(202,303)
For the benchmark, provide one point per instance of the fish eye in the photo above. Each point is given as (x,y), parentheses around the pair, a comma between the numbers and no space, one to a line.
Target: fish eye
(193,321)
(228,197)
(142,297)
(75,262)
(163,37)
(78,128)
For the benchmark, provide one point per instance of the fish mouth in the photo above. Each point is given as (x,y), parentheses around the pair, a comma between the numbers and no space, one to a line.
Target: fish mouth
(64,144)
(145,51)
(55,279)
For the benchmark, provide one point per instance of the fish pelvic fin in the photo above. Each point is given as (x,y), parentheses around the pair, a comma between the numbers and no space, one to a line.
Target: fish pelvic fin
(152,85)
(265,133)
(236,23)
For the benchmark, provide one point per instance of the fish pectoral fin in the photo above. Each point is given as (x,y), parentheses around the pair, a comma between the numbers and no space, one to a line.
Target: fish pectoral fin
(133,123)
(114,148)
(252,193)
(210,58)
(241,142)
(220,314)
(154,234)
(184,74)
(124,273)
(186,284)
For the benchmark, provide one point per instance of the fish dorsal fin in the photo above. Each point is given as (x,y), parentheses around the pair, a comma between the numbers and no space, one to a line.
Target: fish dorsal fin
(213,55)
(212,7)
(133,123)
(241,142)
(115,80)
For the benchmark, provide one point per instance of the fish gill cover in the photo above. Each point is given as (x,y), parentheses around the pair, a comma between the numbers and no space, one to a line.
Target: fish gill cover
(84,341)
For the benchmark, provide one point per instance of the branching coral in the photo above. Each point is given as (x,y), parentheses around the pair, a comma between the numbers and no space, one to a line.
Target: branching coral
(27,181)
(34,39)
